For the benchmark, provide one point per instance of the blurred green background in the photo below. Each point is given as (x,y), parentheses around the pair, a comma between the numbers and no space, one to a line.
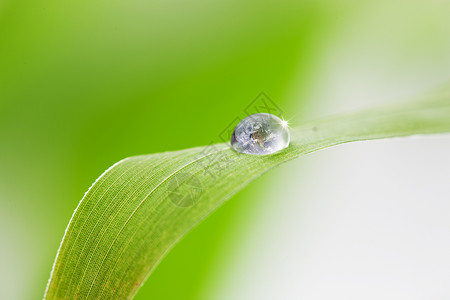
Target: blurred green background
(86,83)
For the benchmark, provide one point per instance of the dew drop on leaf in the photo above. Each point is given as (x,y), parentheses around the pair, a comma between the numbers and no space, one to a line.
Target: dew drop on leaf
(260,134)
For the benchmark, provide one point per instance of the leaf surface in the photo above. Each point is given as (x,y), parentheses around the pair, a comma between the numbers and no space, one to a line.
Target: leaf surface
(138,209)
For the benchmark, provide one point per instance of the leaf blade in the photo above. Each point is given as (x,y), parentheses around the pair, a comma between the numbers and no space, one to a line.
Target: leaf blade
(132,215)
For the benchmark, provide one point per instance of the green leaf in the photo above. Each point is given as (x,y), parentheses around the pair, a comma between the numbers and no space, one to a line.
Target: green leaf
(140,207)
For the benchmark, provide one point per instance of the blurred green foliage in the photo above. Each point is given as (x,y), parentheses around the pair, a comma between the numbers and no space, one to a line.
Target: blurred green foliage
(179,70)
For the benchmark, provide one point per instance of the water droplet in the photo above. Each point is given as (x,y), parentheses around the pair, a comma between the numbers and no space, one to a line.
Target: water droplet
(260,134)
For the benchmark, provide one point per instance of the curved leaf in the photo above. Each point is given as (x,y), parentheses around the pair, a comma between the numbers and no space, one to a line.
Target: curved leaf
(141,206)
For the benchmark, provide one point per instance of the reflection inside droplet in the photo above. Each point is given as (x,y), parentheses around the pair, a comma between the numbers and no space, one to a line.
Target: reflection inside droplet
(260,134)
